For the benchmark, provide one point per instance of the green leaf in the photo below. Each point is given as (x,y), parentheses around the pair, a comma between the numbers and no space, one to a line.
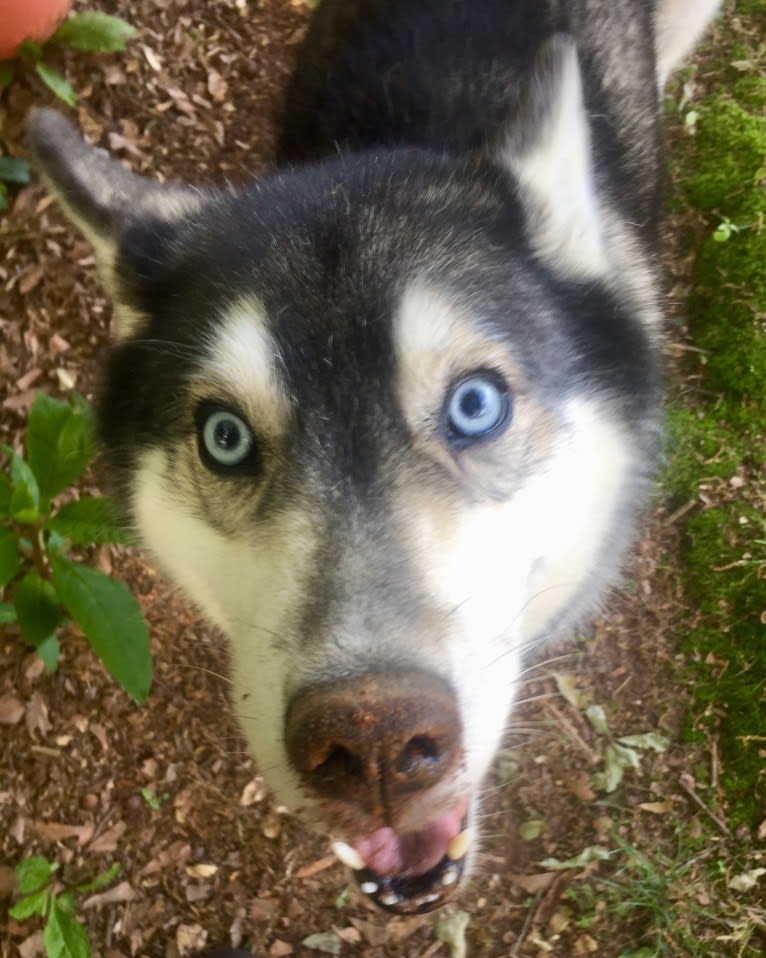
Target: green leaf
(37,609)
(597,718)
(59,442)
(30,51)
(25,498)
(531,829)
(94,31)
(7,613)
(6,74)
(50,651)
(57,83)
(99,882)
(3,197)
(14,170)
(150,799)
(5,496)
(649,740)
(9,556)
(35,904)
(33,873)
(88,520)
(325,941)
(593,853)
(451,929)
(112,622)
(64,936)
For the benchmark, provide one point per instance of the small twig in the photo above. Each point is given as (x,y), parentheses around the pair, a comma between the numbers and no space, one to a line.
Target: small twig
(514,952)
(686,782)
(673,518)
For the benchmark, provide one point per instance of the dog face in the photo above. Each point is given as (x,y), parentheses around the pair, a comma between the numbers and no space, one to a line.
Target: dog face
(387,421)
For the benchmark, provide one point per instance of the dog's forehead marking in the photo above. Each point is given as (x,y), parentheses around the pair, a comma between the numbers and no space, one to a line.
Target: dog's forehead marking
(243,363)
(437,339)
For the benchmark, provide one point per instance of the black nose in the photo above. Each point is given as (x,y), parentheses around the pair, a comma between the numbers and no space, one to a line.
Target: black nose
(374,739)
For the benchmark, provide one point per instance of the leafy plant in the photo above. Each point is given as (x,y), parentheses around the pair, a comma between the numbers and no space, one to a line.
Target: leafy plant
(47,586)
(12,170)
(89,31)
(64,936)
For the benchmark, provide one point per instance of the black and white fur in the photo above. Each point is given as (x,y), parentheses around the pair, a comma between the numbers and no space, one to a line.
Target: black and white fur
(467,192)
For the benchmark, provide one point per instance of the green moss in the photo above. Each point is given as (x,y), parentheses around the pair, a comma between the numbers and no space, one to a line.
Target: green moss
(700,447)
(726,577)
(721,172)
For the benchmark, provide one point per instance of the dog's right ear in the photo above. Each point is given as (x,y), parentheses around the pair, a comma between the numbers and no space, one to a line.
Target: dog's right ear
(111,206)
(547,149)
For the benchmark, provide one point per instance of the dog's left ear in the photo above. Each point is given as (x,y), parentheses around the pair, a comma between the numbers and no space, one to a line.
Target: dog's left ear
(128,220)
(547,149)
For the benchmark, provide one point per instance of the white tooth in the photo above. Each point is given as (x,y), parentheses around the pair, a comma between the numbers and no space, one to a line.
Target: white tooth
(450,876)
(427,899)
(348,855)
(389,898)
(369,887)
(460,845)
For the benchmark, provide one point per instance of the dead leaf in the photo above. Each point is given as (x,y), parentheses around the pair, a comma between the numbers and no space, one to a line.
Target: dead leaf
(580,786)
(567,686)
(190,939)
(280,948)
(37,715)
(349,934)
(119,142)
(30,279)
(108,842)
(33,946)
(658,808)
(151,58)
(57,345)
(58,832)
(11,710)
(372,932)
(315,867)
(532,884)
(271,826)
(253,792)
(7,881)
(201,870)
(175,854)
(112,896)
(28,379)
(21,402)
(217,86)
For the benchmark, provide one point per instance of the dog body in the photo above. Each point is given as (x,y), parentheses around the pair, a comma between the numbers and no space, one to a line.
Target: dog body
(389,414)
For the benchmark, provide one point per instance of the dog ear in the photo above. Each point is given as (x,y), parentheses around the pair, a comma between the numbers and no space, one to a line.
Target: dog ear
(547,149)
(127,219)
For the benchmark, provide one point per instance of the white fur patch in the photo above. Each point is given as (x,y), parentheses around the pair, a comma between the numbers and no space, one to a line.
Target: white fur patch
(555,176)
(247,585)
(243,363)
(508,570)
(678,26)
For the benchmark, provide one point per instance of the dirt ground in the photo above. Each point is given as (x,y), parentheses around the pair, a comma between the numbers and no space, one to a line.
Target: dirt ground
(168,790)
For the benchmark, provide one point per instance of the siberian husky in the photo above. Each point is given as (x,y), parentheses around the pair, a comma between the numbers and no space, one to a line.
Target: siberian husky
(389,414)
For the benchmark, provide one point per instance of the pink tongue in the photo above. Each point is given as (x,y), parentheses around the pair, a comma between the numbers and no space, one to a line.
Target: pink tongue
(387,853)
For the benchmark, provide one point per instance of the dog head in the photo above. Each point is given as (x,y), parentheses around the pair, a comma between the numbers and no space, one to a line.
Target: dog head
(386,419)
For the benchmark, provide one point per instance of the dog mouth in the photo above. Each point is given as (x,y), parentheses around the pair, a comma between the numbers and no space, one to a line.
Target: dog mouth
(413,872)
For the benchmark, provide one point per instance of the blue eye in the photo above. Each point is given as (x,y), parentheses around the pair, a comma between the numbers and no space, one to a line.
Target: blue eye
(478,406)
(226,438)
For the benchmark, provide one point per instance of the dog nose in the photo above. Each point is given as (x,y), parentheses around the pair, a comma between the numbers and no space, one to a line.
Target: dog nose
(374,739)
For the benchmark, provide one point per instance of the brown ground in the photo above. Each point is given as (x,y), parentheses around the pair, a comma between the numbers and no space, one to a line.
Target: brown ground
(217,861)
